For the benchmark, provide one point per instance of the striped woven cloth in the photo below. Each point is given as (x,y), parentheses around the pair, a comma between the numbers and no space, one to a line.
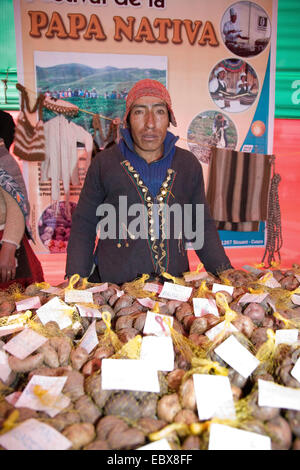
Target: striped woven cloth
(238,189)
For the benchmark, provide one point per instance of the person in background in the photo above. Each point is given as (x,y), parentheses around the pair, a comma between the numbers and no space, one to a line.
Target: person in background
(232,30)
(220,126)
(18,263)
(147,168)
(218,88)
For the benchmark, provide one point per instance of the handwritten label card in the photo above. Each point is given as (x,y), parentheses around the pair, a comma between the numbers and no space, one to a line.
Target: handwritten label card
(100,288)
(14,323)
(129,374)
(175,292)
(210,402)
(34,435)
(296,299)
(90,339)
(149,303)
(28,304)
(286,336)
(77,296)
(295,372)
(257,298)
(237,356)
(222,287)
(159,351)
(277,396)
(53,290)
(49,400)
(204,307)
(227,438)
(25,343)
(55,310)
(157,324)
(153,287)
(162,444)
(216,330)
(5,370)
(88,311)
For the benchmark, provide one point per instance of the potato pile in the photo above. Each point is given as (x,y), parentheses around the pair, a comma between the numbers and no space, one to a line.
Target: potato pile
(98,419)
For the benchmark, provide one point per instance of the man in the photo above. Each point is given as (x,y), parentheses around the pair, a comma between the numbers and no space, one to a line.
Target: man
(148,172)
(218,88)
(220,126)
(232,30)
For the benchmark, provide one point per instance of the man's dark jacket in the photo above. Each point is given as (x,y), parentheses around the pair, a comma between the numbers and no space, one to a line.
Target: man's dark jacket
(124,258)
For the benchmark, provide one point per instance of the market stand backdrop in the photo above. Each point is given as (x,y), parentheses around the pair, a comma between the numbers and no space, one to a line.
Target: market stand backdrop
(287,96)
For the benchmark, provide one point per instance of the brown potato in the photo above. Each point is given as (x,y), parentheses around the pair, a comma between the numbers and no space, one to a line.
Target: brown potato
(183,310)
(65,419)
(88,411)
(126,334)
(186,416)
(78,357)
(168,407)
(280,432)
(125,321)
(123,405)
(25,365)
(93,388)
(174,379)
(256,312)
(107,424)
(124,440)
(203,324)
(80,434)
(149,425)
(123,302)
(187,395)
(191,443)
(244,324)
(97,445)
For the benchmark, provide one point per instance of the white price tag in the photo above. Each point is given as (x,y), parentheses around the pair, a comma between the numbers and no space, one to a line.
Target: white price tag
(100,288)
(227,438)
(90,339)
(53,290)
(210,402)
(78,296)
(34,435)
(28,304)
(222,287)
(295,372)
(5,370)
(286,336)
(162,444)
(88,311)
(271,282)
(25,343)
(237,356)
(216,330)
(129,374)
(157,324)
(153,287)
(204,307)
(159,351)
(149,303)
(175,292)
(277,396)
(296,299)
(256,298)
(43,394)
(55,310)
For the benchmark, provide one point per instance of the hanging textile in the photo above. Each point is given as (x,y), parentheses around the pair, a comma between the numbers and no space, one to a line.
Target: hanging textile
(242,191)
(61,137)
(29,140)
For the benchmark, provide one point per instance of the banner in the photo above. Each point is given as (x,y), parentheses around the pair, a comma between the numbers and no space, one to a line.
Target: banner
(217,60)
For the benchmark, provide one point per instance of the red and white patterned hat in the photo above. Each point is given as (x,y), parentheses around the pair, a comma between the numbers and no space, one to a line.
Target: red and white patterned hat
(148,87)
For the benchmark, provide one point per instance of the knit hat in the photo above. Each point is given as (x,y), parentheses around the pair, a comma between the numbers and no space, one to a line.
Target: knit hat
(149,87)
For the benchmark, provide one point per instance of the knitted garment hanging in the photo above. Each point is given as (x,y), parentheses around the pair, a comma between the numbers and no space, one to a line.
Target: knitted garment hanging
(29,140)
(242,192)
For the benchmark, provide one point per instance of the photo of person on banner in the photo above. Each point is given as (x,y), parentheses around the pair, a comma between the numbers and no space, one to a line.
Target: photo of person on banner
(245,29)
(233,85)
(146,173)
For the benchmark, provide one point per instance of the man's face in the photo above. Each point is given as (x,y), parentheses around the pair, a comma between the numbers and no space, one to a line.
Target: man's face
(222,75)
(149,121)
(233,18)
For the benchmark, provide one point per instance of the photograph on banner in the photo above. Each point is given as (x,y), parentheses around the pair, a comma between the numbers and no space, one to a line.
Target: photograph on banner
(233,85)
(246,29)
(211,129)
(96,83)
(86,55)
